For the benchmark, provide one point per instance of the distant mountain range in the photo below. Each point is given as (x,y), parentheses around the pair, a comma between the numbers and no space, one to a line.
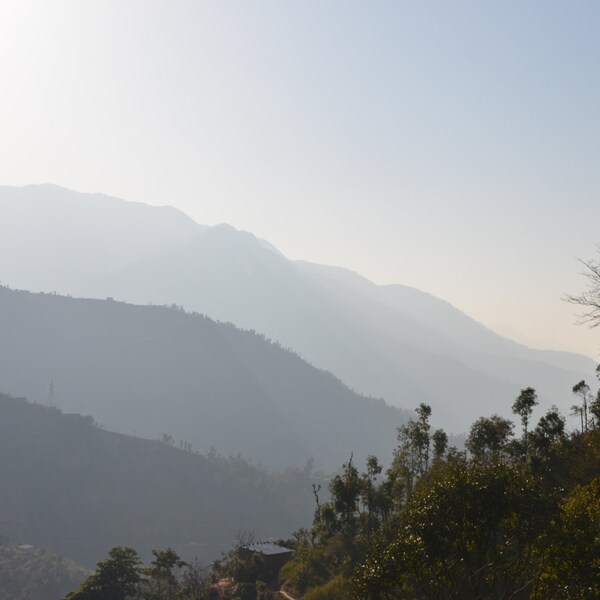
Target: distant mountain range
(71,487)
(391,341)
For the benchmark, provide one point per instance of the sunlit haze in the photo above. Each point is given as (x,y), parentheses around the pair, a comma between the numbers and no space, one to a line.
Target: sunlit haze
(449,146)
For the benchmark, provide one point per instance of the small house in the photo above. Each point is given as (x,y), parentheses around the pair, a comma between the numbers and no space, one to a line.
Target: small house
(272,555)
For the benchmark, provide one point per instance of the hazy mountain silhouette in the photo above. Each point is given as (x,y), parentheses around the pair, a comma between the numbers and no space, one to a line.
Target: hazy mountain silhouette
(79,490)
(458,336)
(390,341)
(54,239)
(153,370)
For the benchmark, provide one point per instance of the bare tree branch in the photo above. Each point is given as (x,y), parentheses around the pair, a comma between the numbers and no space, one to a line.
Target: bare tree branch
(590,298)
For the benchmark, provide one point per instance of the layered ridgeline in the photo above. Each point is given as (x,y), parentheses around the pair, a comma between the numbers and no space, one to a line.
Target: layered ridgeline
(75,489)
(393,342)
(157,371)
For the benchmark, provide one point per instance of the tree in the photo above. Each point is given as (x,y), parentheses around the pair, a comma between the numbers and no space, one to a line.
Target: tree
(523,406)
(369,493)
(575,411)
(582,389)
(423,443)
(345,492)
(550,430)
(595,410)
(411,457)
(467,533)
(489,437)
(590,299)
(115,578)
(571,568)
(195,582)
(440,443)
(162,581)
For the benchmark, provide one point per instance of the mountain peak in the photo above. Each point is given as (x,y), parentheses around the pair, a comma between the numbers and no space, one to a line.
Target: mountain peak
(223,227)
(229,234)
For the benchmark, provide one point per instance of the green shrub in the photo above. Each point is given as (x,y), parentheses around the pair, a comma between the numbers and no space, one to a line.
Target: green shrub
(332,590)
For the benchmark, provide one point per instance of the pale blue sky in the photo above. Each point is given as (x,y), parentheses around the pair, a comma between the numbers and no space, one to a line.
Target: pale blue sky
(453,146)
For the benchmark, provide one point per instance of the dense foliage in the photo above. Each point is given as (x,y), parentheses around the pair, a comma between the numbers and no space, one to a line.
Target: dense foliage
(123,576)
(508,517)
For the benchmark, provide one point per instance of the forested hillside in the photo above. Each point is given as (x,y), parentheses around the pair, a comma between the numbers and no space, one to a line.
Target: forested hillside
(151,371)
(31,573)
(516,515)
(78,490)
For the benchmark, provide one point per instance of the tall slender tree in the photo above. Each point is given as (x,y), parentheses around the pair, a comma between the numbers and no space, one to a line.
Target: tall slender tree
(523,406)
(582,389)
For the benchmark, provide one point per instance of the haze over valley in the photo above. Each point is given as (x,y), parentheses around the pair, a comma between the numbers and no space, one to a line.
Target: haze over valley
(391,342)
(299,300)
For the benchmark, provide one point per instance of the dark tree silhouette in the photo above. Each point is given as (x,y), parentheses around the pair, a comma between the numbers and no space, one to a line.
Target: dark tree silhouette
(523,406)
(115,578)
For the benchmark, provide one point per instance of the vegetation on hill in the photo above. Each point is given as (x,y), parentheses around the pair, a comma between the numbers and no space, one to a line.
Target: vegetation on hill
(510,517)
(31,573)
(79,490)
(150,370)
(123,576)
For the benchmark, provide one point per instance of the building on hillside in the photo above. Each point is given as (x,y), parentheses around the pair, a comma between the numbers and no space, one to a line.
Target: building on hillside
(272,555)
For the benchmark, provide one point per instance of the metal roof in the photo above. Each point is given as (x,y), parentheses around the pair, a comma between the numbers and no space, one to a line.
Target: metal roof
(267,548)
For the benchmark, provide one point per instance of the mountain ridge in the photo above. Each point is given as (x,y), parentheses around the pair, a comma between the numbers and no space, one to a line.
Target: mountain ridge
(155,370)
(390,341)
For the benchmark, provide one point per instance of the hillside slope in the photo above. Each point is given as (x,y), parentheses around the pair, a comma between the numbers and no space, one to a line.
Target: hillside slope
(31,573)
(389,341)
(79,490)
(152,370)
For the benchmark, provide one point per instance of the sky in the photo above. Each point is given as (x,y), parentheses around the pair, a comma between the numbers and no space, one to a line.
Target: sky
(450,146)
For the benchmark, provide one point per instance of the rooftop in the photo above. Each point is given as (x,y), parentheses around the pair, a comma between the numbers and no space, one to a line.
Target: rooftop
(266,548)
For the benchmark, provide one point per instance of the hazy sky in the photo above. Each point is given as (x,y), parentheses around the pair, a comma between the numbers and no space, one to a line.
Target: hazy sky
(452,146)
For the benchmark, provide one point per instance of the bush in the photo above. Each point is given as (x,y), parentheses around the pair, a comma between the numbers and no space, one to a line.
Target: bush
(332,590)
